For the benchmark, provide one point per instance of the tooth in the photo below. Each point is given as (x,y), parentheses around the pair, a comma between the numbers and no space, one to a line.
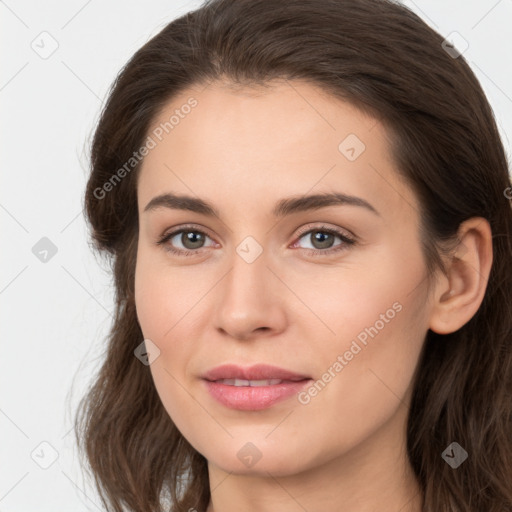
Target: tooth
(252,383)
(271,382)
(256,383)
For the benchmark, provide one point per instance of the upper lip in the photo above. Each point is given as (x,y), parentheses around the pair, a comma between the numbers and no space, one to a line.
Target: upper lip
(256,372)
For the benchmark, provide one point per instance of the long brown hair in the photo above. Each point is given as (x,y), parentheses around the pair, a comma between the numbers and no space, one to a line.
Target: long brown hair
(384,59)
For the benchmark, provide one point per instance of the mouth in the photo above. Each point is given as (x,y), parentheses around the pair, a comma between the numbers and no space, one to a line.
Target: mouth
(254,388)
(255,373)
(251,383)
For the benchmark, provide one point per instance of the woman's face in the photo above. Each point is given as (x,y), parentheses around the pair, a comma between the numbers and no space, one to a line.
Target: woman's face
(332,290)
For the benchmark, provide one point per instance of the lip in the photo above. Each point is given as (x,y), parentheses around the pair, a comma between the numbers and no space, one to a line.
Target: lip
(256,372)
(253,398)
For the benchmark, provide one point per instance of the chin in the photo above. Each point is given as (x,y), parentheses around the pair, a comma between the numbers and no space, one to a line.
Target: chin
(258,459)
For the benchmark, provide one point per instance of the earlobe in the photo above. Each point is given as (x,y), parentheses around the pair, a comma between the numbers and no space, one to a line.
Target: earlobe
(460,292)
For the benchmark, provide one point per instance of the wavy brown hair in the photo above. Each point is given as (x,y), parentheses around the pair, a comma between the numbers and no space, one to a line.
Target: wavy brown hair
(382,58)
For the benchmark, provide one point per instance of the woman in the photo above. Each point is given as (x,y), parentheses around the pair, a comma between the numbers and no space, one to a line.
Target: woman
(306,208)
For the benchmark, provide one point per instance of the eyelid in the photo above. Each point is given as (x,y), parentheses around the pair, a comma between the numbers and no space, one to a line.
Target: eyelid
(186,227)
(323,227)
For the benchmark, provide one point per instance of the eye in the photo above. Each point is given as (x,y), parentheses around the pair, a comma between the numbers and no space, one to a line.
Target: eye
(191,240)
(322,240)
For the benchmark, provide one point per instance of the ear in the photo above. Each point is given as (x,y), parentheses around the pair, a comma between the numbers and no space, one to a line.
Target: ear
(460,292)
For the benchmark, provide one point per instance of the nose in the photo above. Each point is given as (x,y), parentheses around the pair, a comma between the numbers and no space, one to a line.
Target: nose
(250,301)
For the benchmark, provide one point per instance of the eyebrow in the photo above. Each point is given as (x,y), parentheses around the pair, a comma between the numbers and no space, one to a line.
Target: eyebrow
(282,208)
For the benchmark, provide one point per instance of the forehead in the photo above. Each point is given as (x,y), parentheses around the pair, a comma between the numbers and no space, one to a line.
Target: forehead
(248,144)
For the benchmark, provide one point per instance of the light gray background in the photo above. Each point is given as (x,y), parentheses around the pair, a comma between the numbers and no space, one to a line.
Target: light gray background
(56,314)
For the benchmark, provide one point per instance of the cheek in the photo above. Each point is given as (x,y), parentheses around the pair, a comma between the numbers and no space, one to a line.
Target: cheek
(367,331)
(366,371)
(166,297)
(377,314)
(167,300)
(371,295)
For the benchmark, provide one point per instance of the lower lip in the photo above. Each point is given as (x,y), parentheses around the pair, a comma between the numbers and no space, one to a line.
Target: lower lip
(248,398)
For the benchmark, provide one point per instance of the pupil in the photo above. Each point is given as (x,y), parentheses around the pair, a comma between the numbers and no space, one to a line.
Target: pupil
(322,240)
(192,239)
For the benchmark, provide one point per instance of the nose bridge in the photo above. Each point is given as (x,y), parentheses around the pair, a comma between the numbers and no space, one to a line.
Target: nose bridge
(249,273)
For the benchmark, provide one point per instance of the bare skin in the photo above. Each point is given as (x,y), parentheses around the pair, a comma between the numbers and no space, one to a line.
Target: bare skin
(242,151)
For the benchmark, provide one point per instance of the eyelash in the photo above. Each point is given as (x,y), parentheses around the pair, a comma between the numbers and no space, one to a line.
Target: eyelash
(347,241)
